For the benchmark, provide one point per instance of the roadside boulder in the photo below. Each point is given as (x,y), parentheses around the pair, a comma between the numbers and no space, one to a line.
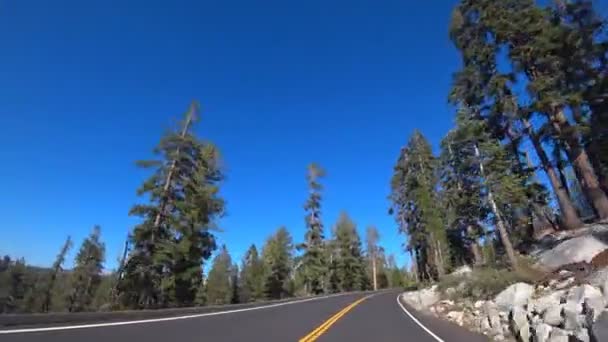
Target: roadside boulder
(515,295)
(542,332)
(491,311)
(462,270)
(422,299)
(541,304)
(578,249)
(519,324)
(559,335)
(553,315)
(456,317)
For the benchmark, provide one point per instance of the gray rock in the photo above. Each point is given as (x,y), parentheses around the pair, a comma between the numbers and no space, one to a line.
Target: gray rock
(515,295)
(592,308)
(463,270)
(553,315)
(456,317)
(422,299)
(565,283)
(600,328)
(491,311)
(450,291)
(541,304)
(559,335)
(519,324)
(485,325)
(578,249)
(581,335)
(542,332)
(572,319)
(578,294)
(478,304)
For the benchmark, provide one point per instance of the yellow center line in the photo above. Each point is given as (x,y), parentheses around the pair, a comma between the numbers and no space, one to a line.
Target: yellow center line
(320,330)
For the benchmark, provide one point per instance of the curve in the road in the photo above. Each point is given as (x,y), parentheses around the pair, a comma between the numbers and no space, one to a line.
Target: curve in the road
(417,321)
(313,335)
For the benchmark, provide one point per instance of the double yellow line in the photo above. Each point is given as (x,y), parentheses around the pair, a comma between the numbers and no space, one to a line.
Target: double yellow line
(313,335)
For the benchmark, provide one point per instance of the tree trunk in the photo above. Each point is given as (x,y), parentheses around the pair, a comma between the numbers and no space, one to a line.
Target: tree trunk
(119,272)
(580,160)
(504,236)
(374,278)
(570,218)
(167,186)
(475,250)
(414,258)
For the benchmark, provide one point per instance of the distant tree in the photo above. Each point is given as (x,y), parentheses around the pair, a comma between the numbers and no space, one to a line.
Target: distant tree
(349,263)
(5,263)
(371,239)
(102,299)
(416,207)
(252,276)
(395,276)
(56,269)
(219,289)
(277,256)
(235,284)
(314,263)
(15,288)
(86,276)
(201,294)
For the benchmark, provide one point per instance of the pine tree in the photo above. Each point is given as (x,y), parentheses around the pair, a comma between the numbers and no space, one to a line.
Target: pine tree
(277,256)
(395,275)
(414,204)
(201,295)
(349,264)
(487,92)
(314,263)
(16,286)
(252,276)
(461,198)
(86,276)
(164,266)
(235,286)
(371,239)
(219,289)
(56,269)
(549,80)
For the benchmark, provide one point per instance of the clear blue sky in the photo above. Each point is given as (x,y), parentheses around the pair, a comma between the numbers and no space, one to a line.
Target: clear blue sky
(88,87)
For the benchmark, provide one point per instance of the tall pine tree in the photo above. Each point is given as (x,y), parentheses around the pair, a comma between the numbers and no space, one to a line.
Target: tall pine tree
(219,289)
(252,276)
(277,256)
(314,261)
(164,266)
(86,276)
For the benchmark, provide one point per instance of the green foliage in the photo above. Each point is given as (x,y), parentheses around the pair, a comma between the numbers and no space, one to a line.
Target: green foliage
(277,256)
(164,267)
(414,204)
(86,276)
(483,283)
(314,261)
(252,276)
(51,280)
(348,265)
(219,288)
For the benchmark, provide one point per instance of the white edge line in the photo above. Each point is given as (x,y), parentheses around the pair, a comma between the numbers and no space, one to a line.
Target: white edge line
(164,319)
(417,321)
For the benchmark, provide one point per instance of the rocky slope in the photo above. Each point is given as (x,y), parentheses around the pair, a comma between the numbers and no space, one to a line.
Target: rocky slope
(570,304)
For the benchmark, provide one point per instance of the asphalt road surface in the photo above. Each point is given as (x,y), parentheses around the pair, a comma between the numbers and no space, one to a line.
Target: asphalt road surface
(377,317)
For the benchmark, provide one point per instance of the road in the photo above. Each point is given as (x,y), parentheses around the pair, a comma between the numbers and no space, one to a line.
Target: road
(351,317)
